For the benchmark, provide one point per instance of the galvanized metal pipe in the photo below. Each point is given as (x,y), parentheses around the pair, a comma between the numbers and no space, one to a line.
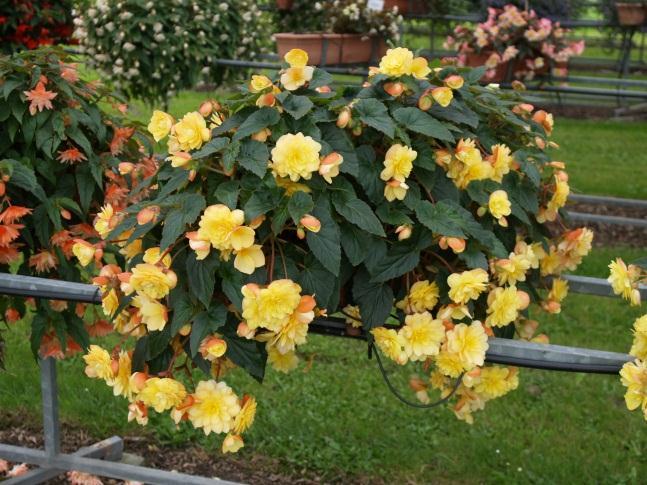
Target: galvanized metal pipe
(606,200)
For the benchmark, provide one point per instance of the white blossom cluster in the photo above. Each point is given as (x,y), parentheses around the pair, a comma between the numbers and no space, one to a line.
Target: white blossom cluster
(152,48)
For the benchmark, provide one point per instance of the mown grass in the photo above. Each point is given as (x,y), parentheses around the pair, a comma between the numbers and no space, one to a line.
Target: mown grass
(338,416)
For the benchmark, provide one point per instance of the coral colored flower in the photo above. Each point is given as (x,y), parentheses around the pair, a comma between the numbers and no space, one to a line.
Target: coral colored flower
(71,155)
(329,166)
(270,307)
(150,280)
(295,156)
(40,98)
(248,259)
(119,139)
(162,393)
(9,232)
(224,228)
(43,261)
(398,163)
(469,342)
(422,336)
(14,213)
(160,125)
(232,443)
(98,364)
(191,131)
(215,407)
(295,77)
(467,285)
(397,62)
(422,296)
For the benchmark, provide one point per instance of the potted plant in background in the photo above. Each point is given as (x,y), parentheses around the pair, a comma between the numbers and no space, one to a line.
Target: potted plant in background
(631,13)
(337,31)
(514,44)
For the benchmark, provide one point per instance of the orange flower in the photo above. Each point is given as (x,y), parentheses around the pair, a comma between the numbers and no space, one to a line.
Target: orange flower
(119,139)
(50,346)
(43,261)
(12,213)
(71,155)
(100,328)
(69,72)
(40,98)
(9,232)
(9,254)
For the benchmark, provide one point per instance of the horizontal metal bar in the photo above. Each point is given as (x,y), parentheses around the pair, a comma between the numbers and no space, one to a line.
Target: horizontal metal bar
(606,200)
(586,285)
(108,449)
(103,468)
(605,219)
(30,286)
(598,80)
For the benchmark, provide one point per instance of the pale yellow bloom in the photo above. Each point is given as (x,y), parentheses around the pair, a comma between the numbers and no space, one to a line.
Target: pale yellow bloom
(295,77)
(639,346)
(162,393)
(469,342)
(398,163)
(634,378)
(110,302)
(512,269)
(422,336)
(160,125)
(191,131)
(501,162)
(397,62)
(84,252)
(232,443)
(499,204)
(420,68)
(270,307)
(449,363)
(395,189)
(248,259)
(98,364)
(150,280)
(296,58)
(282,362)
(224,228)
(423,295)
(295,156)
(390,343)
(467,285)
(121,384)
(442,95)
(624,280)
(494,382)
(104,221)
(503,306)
(293,333)
(245,418)
(154,256)
(215,407)
(259,83)
(154,314)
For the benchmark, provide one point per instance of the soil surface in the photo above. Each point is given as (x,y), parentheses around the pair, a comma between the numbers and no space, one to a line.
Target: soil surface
(247,468)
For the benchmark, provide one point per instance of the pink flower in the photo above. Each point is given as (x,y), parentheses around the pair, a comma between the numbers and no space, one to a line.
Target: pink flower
(18,470)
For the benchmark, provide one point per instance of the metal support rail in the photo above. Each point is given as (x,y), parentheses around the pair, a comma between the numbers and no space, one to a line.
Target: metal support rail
(605,219)
(102,458)
(605,200)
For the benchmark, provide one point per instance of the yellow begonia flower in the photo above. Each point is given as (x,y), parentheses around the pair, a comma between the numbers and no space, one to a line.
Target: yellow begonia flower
(295,156)
(624,280)
(162,394)
(282,362)
(121,384)
(248,259)
(84,252)
(245,418)
(449,363)
(511,270)
(422,296)
(499,204)
(422,336)
(232,443)
(160,125)
(179,159)
(501,162)
(215,407)
(494,382)
(454,81)
(270,307)
(212,348)
(420,68)
(154,314)
(295,77)
(329,166)
(291,187)
(398,163)
(98,364)
(469,343)
(153,255)
(150,280)
(442,95)
(639,346)
(296,58)
(191,132)
(634,378)
(394,189)
(503,306)
(293,333)
(390,343)
(467,165)
(224,229)
(467,285)
(104,221)
(397,62)
(353,316)
(110,302)
(259,83)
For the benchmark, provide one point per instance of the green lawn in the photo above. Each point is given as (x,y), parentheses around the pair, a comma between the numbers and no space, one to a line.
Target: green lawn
(339,416)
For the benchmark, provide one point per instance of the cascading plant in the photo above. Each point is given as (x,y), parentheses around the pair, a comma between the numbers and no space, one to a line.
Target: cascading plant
(417,206)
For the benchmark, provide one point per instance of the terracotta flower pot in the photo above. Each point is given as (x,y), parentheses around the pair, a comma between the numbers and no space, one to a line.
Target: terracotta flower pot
(284,4)
(407,6)
(631,14)
(331,49)
(503,72)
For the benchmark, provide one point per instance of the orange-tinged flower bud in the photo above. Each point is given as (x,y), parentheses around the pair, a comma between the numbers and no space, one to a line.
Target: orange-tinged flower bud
(192,174)
(323,89)
(65,214)
(257,221)
(244,331)
(266,100)
(253,288)
(172,278)
(138,380)
(114,366)
(126,167)
(542,338)
(524,299)
(454,81)
(206,108)
(212,348)
(561,176)
(311,223)
(12,315)
(425,102)
(552,306)
(357,130)
(404,232)
(262,135)
(301,234)
(394,89)
(417,384)
(307,304)
(147,214)
(185,329)
(541,144)
(442,95)
(344,118)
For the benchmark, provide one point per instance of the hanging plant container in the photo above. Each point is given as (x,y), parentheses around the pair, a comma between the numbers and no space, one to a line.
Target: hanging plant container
(506,71)
(631,14)
(415,7)
(332,49)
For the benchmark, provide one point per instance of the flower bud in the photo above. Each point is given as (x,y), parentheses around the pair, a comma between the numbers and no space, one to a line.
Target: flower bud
(394,89)
(425,102)
(257,221)
(454,81)
(404,232)
(185,329)
(311,223)
(344,118)
(262,135)
(212,348)
(147,214)
(323,89)
(524,299)
(12,315)
(266,100)
(518,85)
(244,331)
(307,304)
(301,234)
(138,380)
(65,214)
(126,167)
(357,130)
(417,384)
(206,108)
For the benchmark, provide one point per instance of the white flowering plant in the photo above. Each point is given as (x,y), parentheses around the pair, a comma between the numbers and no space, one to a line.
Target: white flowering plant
(415,208)
(152,49)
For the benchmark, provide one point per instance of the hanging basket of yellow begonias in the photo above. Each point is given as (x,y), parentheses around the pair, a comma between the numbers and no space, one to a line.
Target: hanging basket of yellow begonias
(415,206)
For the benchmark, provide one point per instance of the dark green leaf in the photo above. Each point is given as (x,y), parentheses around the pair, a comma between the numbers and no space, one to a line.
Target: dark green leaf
(187,209)
(375,300)
(258,120)
(325,244)
(202,276)
(254,156)
(375,115)
(416,120)
(300,204)
(296,106)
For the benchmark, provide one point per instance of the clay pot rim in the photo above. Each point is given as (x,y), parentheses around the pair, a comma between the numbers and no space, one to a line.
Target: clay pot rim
(319,35)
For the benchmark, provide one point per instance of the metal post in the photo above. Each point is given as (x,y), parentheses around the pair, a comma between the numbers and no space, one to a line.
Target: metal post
(49,392)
